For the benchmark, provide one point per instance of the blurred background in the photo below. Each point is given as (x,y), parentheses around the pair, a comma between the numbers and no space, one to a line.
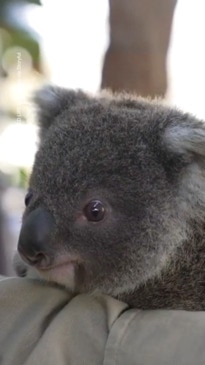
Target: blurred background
(150,47)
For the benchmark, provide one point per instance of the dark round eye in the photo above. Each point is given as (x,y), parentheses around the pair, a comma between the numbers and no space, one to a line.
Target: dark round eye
(28,197)
(94,211)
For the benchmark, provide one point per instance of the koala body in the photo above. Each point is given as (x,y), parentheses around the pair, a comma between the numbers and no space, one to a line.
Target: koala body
(116,200)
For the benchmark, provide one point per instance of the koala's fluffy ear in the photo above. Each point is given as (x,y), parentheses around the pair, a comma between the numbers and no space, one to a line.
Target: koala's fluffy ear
(52,100)
(186,138)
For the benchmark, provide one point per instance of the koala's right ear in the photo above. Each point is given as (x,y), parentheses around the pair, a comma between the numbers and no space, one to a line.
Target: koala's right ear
(52,100)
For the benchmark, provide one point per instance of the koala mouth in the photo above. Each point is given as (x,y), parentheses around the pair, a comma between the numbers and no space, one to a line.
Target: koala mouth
(63,271)
(58,264)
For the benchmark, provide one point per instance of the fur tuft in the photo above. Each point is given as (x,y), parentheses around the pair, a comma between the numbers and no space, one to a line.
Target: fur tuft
(51,101)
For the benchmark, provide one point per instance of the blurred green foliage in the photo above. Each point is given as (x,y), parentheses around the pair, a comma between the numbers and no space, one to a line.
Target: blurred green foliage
(19,35)
(23,178)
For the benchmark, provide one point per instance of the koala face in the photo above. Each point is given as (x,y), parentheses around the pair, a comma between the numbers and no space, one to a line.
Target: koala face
(112,191)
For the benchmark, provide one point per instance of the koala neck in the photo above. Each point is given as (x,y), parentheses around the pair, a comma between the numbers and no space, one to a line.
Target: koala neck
(181,284)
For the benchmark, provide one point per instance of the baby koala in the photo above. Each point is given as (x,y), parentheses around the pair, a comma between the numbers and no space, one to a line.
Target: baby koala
(116,200)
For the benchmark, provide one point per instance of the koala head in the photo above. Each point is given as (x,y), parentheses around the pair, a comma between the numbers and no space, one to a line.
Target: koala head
(115,185)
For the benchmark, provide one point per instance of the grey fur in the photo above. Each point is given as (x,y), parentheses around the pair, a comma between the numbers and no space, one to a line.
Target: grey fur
(146,162)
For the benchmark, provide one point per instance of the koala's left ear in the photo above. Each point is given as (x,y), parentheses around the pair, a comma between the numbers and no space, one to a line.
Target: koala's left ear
(186,138)
(52,100)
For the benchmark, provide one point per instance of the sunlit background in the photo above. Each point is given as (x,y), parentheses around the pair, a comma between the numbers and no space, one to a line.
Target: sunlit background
(63,54)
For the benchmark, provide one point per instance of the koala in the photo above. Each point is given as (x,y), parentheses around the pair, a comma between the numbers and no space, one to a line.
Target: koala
(116,200)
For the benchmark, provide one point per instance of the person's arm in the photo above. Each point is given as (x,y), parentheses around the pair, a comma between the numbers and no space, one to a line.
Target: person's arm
(46,325)
(40,324)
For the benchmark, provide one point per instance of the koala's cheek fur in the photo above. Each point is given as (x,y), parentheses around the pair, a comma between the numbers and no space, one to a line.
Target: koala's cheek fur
(120,262)
(144,256)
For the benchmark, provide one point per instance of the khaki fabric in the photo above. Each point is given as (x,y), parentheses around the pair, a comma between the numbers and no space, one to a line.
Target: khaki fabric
(42,325)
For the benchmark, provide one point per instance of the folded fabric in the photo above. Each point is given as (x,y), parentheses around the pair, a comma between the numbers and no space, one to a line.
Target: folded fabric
(45,325)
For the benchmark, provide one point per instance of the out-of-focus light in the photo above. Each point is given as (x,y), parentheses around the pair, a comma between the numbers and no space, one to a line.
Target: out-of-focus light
(17,60)
(186,57)
(5,39)
(18,144)
(74,44)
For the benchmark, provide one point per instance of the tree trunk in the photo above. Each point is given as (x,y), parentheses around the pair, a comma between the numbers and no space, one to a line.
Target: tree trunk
(139,38)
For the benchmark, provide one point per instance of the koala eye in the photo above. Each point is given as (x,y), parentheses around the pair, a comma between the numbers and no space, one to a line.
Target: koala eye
(28,197)
(94,211)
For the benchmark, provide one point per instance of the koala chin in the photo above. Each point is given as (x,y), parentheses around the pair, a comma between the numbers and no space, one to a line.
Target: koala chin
(116,200)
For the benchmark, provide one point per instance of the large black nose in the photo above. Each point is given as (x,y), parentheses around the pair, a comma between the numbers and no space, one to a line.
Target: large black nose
(34,238)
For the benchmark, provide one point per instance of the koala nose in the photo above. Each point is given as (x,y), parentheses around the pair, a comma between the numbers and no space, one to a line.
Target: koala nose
(34,238)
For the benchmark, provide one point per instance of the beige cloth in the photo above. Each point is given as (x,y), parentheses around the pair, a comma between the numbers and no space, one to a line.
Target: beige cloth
(42,325)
